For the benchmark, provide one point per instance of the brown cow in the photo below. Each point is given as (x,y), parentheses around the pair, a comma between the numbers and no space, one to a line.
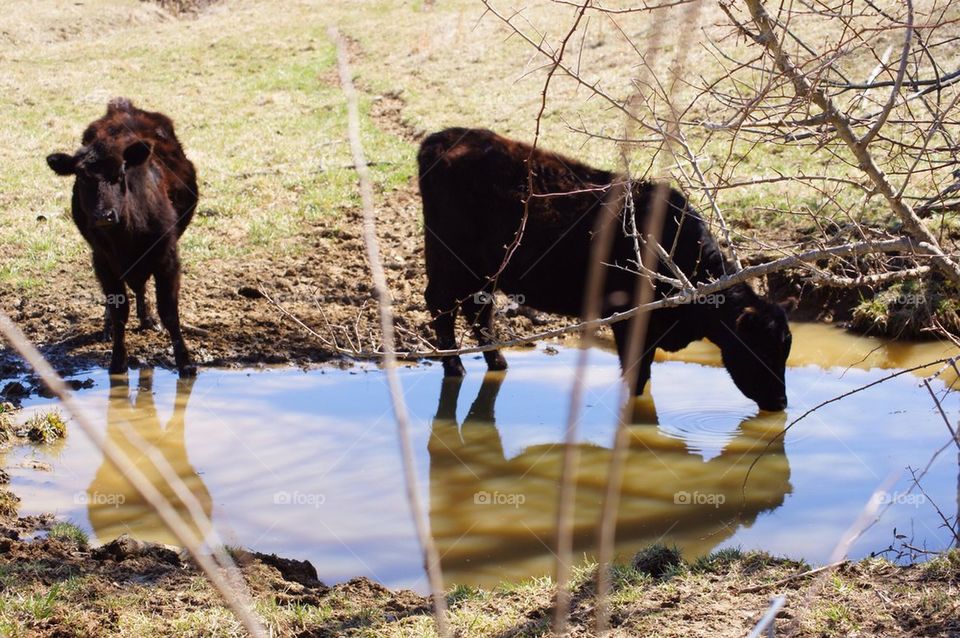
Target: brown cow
(474,182)
(134,194)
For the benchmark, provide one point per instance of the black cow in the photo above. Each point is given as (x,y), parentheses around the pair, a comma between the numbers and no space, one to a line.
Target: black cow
(134,194)
(474,182)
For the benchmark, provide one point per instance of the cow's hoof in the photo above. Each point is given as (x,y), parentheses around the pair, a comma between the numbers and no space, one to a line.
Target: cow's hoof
(496,362)
(150,323)
(188,371)
(454,369)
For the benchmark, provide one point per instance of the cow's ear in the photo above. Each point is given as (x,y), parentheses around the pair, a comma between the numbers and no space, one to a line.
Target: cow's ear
(136,153)
(789,304)
(62,164)
(747,315)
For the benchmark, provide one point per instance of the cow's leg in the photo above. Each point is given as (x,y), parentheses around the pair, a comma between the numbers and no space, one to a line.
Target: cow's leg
(478,310)
(621,335)
(107,322)
(443,310)
(646,361)
(148,321)
(168,306)
(118,307)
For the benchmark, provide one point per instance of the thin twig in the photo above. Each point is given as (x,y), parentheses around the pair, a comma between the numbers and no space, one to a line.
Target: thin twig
(422,523)
(790,579)
(895,91)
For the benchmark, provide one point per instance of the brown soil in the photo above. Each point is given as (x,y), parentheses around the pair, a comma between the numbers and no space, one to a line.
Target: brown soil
(229,320)
(180,7)
(161,582)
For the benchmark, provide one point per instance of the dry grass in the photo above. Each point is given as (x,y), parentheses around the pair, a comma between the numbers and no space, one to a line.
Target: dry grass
(179,7)
(140,597)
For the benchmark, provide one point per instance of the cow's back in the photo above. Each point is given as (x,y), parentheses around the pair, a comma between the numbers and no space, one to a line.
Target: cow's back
(474,184)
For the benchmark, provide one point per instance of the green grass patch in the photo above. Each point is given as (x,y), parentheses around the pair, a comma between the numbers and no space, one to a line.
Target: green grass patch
(69,532)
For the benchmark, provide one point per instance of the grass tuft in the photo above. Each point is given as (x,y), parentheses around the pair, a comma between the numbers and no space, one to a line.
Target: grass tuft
(46,427)
(69,532)
(908,309)
(946,566)
(7,412)
(9,502)
(717,562)
(658,561)
(461,593)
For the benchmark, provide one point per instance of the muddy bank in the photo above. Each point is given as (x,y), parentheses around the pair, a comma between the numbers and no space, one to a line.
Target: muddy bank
(54,585)
(232,314)
(231,320)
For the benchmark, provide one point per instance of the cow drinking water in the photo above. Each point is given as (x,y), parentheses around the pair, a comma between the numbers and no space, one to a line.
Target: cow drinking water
(474,184)
(134,193)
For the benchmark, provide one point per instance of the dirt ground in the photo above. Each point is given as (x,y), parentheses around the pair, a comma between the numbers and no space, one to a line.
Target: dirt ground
(230,307)
(231,320)
(54,585)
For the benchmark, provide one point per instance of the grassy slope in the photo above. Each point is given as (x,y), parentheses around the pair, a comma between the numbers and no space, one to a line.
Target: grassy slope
(254,93)
(455,65)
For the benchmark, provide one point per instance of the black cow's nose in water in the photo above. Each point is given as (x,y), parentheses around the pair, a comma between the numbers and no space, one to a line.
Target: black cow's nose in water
(107,218)
(777,405)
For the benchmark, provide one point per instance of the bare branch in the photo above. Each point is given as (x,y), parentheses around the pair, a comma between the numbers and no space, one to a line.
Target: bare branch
(901,72)
(421,522)
(913,225)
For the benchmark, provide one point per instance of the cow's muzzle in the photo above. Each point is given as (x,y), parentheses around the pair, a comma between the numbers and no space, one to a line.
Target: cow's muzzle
(107,218)
(774,405)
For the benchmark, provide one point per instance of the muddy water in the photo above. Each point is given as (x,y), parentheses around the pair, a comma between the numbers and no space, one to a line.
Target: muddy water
(306,464)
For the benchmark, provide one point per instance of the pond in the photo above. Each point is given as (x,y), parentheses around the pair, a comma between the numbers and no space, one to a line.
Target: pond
(306,464)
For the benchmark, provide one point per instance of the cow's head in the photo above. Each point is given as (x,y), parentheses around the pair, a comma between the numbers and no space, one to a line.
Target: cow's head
(102,171)
(756,350)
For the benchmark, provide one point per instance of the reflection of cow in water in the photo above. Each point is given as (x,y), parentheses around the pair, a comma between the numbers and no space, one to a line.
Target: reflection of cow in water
(489,512)
(114,506)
